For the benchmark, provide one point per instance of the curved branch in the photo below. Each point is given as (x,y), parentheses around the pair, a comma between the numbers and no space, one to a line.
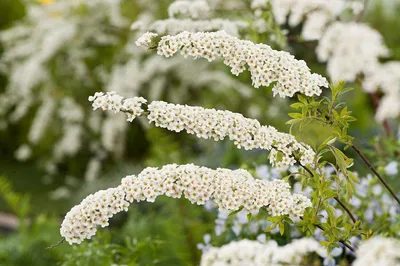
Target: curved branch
(367,162)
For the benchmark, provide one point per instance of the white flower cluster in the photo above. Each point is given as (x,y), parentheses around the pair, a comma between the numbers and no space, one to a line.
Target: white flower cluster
(212,124)
(175,26)
(194,19)
(193,9)
(378,251)
(230,190)
(350,49)
(267,66)
(316,14)
(111,101)
(253,253)
(146,39)
(385,77)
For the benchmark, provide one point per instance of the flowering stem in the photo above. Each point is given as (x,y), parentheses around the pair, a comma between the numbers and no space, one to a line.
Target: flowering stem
(367,162)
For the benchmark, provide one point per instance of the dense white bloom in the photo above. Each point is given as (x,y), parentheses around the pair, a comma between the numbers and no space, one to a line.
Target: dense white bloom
(385,77)
(192,9)
(211,124)
(267,66)
(111,101)
(189,16)
(175,26)
(314,26)
(146,39)
(378,251)
(350,49)
(316,14)
(254,253)
(229,189)
(389,107)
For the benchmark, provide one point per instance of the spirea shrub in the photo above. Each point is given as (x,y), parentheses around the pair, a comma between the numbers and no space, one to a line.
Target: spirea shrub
(328,189)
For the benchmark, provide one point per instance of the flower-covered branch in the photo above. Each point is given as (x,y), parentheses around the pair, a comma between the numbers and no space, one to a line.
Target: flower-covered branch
(211,124)
(267,66)
(247,252)
(229,189)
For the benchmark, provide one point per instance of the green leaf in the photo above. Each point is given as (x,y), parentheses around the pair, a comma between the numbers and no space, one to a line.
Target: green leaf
(281,228)
(345,90)
(296,115)
(297,105)
(302,98)
(235,212)
(353,177)
(269,228)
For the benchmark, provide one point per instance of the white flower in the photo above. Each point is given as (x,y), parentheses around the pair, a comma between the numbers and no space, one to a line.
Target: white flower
(378,251)
(254,253)
(192,9)
(230,190)
(146,39)
(266,66)
(212,124)
(350,49)
(175,26)
(392,168)
(316,14)
(385,77)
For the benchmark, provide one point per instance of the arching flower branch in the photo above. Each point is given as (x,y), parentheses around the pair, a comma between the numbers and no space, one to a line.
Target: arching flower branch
(266,66)
(211,124)
(229,189)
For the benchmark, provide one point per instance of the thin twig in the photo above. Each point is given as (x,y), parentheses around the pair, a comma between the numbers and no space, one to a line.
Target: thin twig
(346,209)
(336,198)
(56,244)
(366,161)
(340,241)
